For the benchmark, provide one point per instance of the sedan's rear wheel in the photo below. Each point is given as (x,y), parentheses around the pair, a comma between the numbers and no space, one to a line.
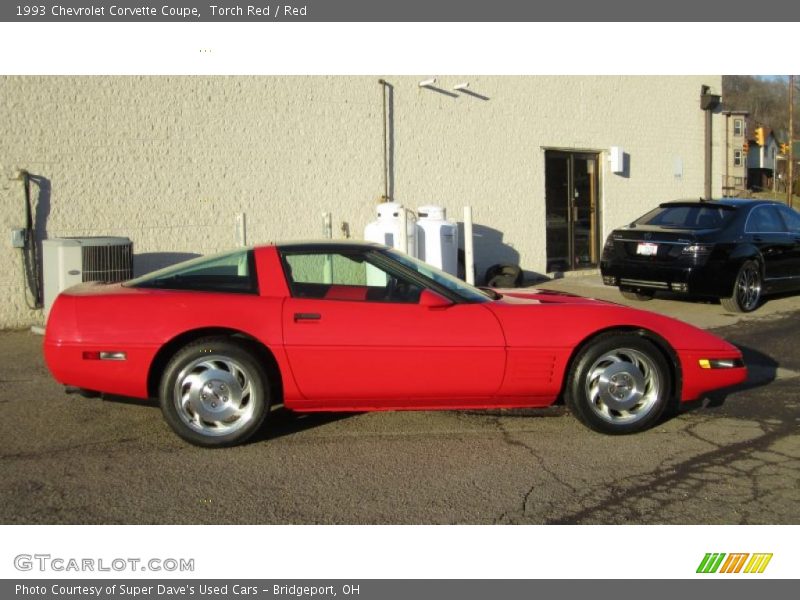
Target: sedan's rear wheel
(214,393)
(640,296)
(619,383)
(746,290)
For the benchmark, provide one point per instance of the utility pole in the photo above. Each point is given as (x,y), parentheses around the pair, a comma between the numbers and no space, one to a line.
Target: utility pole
(790,177)
(708,102)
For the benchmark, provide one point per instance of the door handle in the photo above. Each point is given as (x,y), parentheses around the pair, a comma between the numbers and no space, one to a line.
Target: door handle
(307,317)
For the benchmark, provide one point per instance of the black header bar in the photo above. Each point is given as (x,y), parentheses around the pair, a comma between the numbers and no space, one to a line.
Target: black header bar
(464,11)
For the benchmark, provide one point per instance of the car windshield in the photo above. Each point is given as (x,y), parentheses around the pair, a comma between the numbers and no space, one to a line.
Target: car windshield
(454,284)
(228,272)
(688,216)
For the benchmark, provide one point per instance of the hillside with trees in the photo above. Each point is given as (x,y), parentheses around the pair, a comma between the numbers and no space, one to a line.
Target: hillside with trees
(765,98)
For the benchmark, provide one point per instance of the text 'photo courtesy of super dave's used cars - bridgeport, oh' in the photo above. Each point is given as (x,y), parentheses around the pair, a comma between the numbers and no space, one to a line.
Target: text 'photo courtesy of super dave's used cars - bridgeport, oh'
(736,250)
(353,326)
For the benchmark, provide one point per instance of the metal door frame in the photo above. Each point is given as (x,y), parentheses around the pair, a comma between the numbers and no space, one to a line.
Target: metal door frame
(571,155)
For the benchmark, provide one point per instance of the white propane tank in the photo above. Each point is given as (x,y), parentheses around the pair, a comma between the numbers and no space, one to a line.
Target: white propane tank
(437,239)
(386,228)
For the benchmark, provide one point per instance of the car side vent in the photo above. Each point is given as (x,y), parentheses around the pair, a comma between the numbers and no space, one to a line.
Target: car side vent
(73,260)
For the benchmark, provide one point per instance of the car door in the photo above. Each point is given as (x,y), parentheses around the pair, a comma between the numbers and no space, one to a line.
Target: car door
(766,230)
(792,220)
(356,335)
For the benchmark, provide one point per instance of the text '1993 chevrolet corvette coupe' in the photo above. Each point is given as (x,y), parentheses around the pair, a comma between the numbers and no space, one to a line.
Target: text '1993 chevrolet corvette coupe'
(346,326)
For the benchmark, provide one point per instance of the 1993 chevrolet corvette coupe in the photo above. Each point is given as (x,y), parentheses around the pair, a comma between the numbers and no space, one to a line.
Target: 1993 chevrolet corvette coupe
(345,326)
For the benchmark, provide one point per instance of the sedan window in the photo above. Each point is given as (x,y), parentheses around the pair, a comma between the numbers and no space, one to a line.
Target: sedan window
(791,218)
(688,216)
(764,219)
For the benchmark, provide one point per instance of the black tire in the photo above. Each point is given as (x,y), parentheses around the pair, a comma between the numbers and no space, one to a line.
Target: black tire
(619,383)
(746,295)
(214,393)
(504,275)
(640,296)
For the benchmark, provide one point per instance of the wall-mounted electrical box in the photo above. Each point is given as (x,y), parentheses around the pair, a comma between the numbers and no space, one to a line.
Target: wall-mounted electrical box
(18,238)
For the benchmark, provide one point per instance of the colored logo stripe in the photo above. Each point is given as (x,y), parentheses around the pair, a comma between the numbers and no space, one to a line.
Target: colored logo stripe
(710,563)
(758,563)
(733,564)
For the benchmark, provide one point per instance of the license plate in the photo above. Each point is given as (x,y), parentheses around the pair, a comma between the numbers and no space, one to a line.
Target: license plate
(647,249)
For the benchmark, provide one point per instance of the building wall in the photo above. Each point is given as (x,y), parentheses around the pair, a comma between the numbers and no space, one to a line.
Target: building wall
(171,161)
(735,177)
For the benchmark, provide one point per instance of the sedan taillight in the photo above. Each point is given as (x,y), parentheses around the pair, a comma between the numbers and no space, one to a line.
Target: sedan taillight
(608,247)
(697,249)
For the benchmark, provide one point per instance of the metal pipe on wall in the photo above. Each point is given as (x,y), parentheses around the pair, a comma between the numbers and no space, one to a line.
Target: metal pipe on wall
(402,237)
(469,248)
(383,84)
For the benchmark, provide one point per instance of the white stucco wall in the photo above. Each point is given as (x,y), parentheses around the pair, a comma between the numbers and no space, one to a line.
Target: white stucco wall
(170,161)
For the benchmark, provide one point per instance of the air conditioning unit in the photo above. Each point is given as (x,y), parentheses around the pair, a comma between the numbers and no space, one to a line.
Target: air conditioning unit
(70,261)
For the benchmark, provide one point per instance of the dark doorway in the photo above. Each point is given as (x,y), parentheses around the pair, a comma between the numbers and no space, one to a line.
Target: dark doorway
(571,201)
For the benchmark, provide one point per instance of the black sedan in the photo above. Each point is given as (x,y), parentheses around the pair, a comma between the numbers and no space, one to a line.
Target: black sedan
(732,249)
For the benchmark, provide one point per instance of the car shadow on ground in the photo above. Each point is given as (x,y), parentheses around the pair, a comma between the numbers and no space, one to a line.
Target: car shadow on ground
(762,370)
(279,422)
(146,403)
(282,422)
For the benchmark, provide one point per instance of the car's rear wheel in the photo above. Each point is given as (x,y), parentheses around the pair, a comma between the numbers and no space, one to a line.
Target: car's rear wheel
(214,393)
(619,383)
(746,290)
(640,296)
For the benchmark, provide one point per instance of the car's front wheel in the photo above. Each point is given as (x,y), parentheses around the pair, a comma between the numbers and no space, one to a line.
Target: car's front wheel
(746,290)
(619,383)
(214,393)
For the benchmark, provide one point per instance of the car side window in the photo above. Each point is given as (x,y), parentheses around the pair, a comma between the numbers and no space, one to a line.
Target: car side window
(765,219)
(791,218)
(229,272)
(351,277)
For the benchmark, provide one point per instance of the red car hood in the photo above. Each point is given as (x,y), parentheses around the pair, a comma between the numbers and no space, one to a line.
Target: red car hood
(580,317)
(515,296)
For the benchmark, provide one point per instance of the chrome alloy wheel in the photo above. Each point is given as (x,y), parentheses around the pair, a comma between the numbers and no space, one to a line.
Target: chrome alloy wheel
(623,386)
(748,287)
(213,395)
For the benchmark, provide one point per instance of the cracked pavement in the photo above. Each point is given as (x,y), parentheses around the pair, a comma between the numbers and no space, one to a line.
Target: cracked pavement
(67,459)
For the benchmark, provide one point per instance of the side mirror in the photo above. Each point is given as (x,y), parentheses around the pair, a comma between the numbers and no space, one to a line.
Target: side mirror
(433,300)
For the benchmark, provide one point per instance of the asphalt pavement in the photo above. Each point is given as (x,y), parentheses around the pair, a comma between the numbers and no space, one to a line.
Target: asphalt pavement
(67,459)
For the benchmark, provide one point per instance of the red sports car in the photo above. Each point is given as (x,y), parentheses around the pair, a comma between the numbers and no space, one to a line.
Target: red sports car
(341,326)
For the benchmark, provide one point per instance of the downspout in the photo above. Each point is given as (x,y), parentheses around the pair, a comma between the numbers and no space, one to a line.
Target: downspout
(708,102)
(383,84)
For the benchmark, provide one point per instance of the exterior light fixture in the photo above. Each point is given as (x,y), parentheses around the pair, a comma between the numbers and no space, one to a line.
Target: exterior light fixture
(616,156)
(461,86)
(427,82)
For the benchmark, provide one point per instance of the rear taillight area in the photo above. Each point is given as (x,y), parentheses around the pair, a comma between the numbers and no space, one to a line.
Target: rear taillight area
(697,252)
(698,249)
(608,247)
